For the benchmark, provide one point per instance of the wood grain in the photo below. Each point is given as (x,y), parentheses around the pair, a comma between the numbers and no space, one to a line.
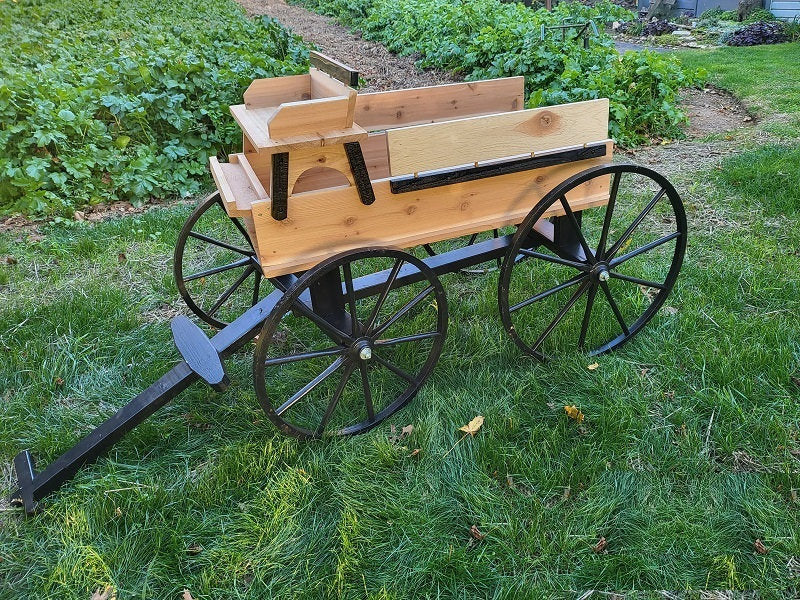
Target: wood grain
(474,139)
(397,108)
(322,223)
(276,90)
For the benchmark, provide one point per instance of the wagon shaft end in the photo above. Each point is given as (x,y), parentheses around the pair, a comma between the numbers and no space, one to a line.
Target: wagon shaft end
(23,465)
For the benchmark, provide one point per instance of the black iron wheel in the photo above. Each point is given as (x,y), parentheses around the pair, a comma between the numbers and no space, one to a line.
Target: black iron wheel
(216,269)
(593,279)
(334,358)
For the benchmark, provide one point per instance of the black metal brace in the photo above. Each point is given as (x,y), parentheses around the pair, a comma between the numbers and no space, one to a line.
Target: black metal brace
(280,185)
(359,169)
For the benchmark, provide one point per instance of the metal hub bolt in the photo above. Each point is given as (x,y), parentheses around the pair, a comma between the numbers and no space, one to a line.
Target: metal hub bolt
(365,353)
(603,275)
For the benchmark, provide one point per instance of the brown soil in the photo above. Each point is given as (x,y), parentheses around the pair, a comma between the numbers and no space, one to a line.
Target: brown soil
(381,69)
(712,111)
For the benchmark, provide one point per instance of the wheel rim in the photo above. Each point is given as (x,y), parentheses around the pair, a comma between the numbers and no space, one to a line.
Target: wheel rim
(317,377)
(216,269)
(618,273)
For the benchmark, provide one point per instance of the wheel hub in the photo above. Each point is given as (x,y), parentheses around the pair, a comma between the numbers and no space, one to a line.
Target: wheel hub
(600,272)
(362,349)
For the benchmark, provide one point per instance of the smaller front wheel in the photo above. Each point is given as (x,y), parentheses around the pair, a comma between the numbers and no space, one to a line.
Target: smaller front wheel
(593,279)
(350,343)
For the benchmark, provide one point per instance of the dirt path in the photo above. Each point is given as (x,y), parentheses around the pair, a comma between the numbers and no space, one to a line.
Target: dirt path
(381,69)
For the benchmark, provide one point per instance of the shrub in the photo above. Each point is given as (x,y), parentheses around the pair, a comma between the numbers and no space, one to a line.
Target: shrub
(658,27)
(755,34)
(760,14)
(104,100)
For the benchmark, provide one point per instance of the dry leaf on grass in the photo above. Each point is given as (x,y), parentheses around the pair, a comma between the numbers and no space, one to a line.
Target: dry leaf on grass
(473,426)
(187,595)
(600,546)
(573,412)
(476,533)
(470,428)
(10,260)
(760,547)
(593,366)
(406,431)
(414,452)
(106,593)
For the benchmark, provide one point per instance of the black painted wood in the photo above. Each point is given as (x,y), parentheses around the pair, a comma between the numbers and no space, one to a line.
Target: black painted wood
(409,183)
(280,185)
(23,465)
(198,352)
(359,169)
(334,68)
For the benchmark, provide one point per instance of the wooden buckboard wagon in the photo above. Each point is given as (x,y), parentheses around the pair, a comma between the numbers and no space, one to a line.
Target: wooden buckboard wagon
(330,230)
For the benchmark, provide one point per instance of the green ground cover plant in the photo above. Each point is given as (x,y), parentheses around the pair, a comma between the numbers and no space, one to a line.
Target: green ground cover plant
(104,101)
(489,38)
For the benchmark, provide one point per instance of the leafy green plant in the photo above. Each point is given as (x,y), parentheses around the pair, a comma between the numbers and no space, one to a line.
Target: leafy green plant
(112,100)
(488,38)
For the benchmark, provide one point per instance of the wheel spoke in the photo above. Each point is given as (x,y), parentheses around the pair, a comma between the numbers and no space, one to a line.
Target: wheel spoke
(612,200)
(351,297)
(290,358)
(384,293)
(555,259)
(614,307)
(256,287)
(624,237)
(242,230)
(574,222)
(333,332)
(587,314)
(646,248)
(394,369)
(400,313)
(644,282)
(221,244)
(572,300)
(213,271)
(302,392)
(348,370)
(367,392)
(547,293)
(224,297)
(407,338)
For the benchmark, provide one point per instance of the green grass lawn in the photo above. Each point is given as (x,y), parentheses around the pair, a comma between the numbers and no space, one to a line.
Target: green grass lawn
(689,452)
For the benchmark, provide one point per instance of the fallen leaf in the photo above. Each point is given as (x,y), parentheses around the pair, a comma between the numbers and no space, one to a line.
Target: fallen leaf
(118,512)
(406,431)
(473,426)
(122,258)
(414,452)
(600,546)
(194,549)
(793,494)
(58,381)
(10,260)
(79,215)
(573,412)
(567,492)
(760,547)
(105,593)
(593,366)
(476,533)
